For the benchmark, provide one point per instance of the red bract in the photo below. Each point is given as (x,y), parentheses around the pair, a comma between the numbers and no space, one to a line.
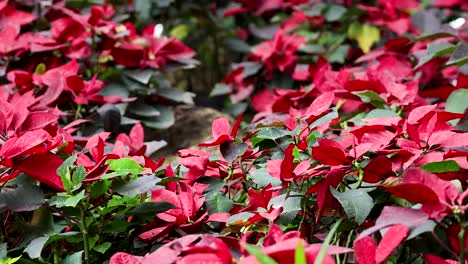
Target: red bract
(194,249)
(221,132)
(278,53)
(185,215)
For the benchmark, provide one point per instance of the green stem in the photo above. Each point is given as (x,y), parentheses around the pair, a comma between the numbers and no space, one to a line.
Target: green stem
(84,233)
(461,239)
(326,243)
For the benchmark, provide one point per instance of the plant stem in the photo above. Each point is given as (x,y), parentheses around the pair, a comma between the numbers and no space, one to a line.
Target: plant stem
(461,239)
(84,233)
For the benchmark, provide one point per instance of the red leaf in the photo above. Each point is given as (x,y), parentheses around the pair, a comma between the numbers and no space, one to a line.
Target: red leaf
(321,104)
(364,250)
(329,155)
(414,192)
(137,135)
(392,239)
(43,168)
(220,132)
(287,165)
(236,126)
(15,146)
(393,215)
(377,169)
(124,258)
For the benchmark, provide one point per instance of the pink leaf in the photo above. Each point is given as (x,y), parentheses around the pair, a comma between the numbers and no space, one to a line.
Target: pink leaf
(364,250)
(392,239)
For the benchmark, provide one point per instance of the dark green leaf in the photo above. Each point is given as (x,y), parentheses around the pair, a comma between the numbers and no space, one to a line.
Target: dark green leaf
(144,110)
(334,13)
(324,119)
(460,55)
(436,50)
(215,184)
(67,200)
(262,178)
(78,175)
(34,248)
(441,166)
(141,76)
(231,151)
(457,102)
(24,198)
(64,171)
(102,248)
(273,133)
(220,89)
(237,45)
(150,208)
(100,188)
(141,185)
(218,202)
(165,120)
(176,95)
(356,203)
(75,258)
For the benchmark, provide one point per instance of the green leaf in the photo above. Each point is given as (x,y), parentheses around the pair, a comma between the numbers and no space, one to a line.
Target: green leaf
(334,13)
(356,203)
(365,35)
(369,96)
(10,260)
(460,55)
(262,178)
(144,110)
(441,166)
(273,133)
(180,32)
(143,8)
(457,102)
(99,188)
(3,251)
(140,185)
(324,119)
(299,254)
(436,50)
(231,151)
(141,76)
(220,89)
(67,200)
(165,119)
(74,258)
(326,243)
(218,202)
(102,248)
(27,197)
(78,175)
(379,113)
(150,208)
(125,166)
(176,95)
(64,171)
(215,184)
(34,248)
(40,69)
(258,254)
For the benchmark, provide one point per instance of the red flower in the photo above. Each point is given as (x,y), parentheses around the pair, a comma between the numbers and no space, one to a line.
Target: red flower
(278,53)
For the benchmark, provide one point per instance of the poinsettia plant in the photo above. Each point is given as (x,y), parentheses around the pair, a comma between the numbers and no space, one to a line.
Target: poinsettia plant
(349,143)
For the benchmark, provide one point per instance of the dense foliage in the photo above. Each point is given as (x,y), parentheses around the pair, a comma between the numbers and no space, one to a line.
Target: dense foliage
(350,143)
